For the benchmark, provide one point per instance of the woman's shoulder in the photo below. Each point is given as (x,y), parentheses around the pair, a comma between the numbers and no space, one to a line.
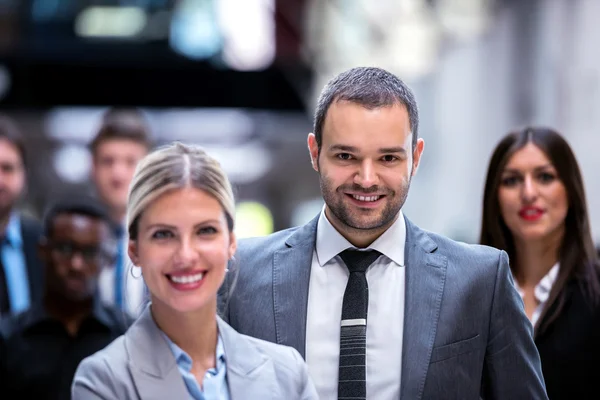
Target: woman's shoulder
(108,359)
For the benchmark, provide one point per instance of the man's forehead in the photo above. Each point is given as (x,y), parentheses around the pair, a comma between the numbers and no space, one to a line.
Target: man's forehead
(79,222)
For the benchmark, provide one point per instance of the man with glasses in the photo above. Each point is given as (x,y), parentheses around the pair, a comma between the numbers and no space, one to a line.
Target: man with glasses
(41,348)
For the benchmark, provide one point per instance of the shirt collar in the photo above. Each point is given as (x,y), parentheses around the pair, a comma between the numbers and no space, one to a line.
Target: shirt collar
(330,242)
(37,315)
(544,286)
(185,361)
(13,230)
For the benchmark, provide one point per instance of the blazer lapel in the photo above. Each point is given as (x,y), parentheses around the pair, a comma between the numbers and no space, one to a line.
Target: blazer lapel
(291,275)
(250,374)
(425,278)
(151,362)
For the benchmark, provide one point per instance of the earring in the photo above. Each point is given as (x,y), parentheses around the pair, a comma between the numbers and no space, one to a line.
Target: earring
(133,275)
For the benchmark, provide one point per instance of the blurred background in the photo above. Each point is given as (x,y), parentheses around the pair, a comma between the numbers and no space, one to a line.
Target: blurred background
(241,77)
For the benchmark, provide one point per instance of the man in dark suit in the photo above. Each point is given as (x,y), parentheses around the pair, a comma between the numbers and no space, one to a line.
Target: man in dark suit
(380,308)
(21,276)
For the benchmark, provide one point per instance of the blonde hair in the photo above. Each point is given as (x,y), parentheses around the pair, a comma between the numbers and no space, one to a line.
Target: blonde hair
(177,166)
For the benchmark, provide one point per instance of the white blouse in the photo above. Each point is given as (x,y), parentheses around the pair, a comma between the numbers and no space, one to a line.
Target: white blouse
(541,291)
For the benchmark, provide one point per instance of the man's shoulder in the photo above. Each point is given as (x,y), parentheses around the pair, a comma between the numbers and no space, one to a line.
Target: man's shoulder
(464,252)
(273,242)
(16,324)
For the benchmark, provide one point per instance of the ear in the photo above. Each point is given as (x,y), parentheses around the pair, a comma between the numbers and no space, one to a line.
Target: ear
(417,155)
(232,244)
(313,149)
(132,251)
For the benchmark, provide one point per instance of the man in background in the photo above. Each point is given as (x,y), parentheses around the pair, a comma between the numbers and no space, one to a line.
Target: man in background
(20,270)
(41,348)
(122,140)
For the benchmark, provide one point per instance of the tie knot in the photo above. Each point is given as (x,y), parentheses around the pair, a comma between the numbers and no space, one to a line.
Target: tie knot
(357,260)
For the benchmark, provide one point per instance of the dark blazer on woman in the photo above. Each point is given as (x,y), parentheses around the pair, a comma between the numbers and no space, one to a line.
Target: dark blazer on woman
(570,348)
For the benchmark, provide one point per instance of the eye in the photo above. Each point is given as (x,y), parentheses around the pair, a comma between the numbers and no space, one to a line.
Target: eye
(510,181)
(207,230)
(388,158)
(162,234)
(546,177)
(344,156)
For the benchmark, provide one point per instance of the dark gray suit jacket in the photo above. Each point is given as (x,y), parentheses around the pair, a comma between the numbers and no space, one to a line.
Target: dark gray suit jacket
(465,331)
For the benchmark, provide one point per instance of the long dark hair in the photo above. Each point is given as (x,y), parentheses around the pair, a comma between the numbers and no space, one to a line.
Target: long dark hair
(577,255)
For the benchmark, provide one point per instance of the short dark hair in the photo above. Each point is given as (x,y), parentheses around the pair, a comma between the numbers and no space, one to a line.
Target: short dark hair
(80,205)
(371,88)
(577,254)
(11,133)
(122,123)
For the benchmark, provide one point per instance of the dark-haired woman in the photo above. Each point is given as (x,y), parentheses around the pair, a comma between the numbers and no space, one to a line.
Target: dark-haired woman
(534,208)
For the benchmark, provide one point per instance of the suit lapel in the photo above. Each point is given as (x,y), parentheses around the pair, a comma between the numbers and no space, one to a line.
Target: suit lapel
(152,364)
(30,237)
(250,374)
(291,275)
(425,278)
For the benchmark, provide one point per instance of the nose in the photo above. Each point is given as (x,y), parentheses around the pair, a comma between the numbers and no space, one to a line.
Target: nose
(186,254)
(77,262)
(530,190)
(366,175)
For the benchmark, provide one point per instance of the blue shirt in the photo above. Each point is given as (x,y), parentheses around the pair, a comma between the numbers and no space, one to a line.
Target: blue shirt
(215,379)
(15,268)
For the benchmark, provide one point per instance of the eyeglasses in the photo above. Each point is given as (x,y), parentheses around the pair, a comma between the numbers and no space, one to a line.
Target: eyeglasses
(89,254)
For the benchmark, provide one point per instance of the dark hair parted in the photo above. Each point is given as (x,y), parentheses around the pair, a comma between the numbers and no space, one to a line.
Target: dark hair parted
(371,88)
(122,124)
(11,133)
(577,255)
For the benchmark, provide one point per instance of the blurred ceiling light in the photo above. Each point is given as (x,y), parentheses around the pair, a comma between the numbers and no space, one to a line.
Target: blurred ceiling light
(5,81)
(242,164)
(73,123)
(464,19)
(115,22)
(249,33)
(252,219)
(72,163)
(208,125)
(194,30)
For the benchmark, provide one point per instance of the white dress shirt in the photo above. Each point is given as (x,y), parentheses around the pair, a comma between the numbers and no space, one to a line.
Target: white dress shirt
(541,291)
(385,318)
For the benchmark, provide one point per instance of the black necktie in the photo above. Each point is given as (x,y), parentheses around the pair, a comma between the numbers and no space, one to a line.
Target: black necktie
(352,381)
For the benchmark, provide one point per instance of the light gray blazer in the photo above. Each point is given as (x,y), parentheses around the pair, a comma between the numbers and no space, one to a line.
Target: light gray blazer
(140,365)
(465,331)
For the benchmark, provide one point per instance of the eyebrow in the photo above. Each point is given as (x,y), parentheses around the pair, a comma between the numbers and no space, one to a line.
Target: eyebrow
(352,149)
(516,171)
(167,226)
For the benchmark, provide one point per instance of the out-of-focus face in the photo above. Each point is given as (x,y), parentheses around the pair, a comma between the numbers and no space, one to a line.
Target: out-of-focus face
(533,200)
(365,164)
(78,248)
(183,246)
(12,176)
(114,165)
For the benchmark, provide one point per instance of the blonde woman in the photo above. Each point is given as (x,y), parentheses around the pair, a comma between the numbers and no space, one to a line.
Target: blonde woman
(180,220)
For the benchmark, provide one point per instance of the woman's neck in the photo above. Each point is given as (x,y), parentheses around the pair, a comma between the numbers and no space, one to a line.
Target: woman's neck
(534,259)
(194,332)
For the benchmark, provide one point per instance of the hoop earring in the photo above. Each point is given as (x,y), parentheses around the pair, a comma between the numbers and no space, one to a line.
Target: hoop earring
(133,275)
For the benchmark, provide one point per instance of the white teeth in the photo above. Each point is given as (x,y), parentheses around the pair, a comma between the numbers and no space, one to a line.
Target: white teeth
(187,278)
(366,198)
